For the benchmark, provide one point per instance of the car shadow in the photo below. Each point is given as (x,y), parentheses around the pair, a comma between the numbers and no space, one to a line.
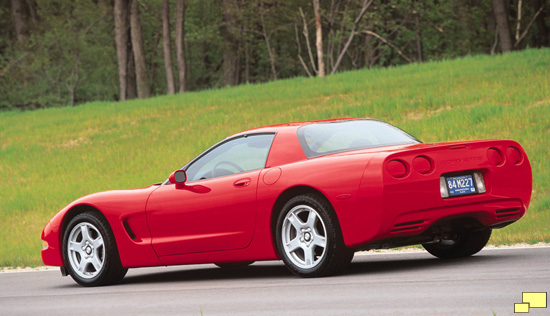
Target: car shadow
(361,265)
(211,272)
(372,265)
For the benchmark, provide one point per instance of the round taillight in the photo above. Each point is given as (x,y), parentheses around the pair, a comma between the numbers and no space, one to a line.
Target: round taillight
(397,168)
(514,155)
(422,164)
(494,156)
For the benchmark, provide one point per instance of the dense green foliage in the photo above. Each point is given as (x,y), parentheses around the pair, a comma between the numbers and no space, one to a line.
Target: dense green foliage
(50,157)
(70,47)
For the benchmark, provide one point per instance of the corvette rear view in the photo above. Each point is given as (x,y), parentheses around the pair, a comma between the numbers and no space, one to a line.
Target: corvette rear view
(309,193)
(478,186)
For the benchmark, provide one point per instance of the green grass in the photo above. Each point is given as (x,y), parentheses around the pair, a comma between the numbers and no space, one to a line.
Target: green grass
(50,157)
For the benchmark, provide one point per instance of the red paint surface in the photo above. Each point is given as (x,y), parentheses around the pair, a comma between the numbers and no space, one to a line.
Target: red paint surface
(230,218)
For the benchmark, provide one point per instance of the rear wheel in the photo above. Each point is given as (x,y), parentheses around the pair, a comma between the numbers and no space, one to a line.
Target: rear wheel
(466,244)
(309,239)
(89,251)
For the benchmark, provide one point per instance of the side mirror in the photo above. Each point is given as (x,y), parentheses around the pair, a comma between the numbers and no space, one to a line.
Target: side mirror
(178,177)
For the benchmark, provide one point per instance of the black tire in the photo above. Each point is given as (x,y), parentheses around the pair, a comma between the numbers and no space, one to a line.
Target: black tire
(467,244)
(234,265)
(94,251)
(305,237)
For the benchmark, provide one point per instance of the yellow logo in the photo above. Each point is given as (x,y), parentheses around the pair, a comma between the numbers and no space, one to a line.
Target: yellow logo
(531,300)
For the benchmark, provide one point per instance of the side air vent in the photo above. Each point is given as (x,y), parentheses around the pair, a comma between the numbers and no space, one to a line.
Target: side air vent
(507,212)
(129,230)
(407,226)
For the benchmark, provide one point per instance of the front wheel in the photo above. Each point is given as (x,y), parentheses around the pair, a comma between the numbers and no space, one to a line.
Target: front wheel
(89,251)
(466,244)
(309,239)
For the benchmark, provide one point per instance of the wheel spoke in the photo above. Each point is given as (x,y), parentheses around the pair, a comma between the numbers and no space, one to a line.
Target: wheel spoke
(85,232)
(293,245)
(309,255)
(319,241)
(311,219)
(75,246)
(82,265)
(95,262)
(295,221)
(98,242)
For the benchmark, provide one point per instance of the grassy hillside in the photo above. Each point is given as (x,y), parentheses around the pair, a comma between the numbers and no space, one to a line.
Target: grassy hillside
(50,157)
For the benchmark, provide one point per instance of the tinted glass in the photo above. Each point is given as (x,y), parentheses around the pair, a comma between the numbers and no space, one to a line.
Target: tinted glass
(231,157)
(319,139)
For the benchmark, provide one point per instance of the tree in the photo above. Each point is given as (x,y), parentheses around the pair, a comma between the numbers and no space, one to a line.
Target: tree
(21,11)
(167,47)
(61,52)
(305,32)
(519,37)
(121,39)
(79,33)
(267,41)
(418,32)
(502,27)
(369,51)
(142,79)
(180,45)
(230,56)
(543,38)
(319,39)
(353,31)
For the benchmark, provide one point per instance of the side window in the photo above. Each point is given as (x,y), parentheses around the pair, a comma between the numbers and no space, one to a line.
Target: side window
(234,156)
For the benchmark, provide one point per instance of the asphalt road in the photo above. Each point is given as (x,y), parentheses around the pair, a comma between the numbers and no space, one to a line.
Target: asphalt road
(375,284)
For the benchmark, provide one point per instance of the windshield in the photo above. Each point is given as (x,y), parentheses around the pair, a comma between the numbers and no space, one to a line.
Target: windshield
(324,138)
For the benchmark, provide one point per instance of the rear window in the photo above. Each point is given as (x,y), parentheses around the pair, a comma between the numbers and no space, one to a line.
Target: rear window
(325,138)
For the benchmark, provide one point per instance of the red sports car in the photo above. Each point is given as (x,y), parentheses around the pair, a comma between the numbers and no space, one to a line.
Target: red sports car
(308,193)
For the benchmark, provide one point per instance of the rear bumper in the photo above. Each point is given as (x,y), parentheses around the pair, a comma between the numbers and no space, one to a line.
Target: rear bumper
(489,214)
(421,226)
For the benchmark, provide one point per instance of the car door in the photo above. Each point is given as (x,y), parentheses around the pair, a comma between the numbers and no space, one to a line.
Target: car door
(216,208)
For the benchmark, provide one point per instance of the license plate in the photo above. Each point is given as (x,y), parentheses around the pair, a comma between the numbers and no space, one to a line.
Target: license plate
(461,185)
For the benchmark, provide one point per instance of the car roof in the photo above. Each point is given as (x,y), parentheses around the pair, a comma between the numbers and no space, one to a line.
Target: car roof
(286,126)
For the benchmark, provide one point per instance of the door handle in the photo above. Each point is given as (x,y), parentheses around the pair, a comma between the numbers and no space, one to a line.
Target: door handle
(242,183)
